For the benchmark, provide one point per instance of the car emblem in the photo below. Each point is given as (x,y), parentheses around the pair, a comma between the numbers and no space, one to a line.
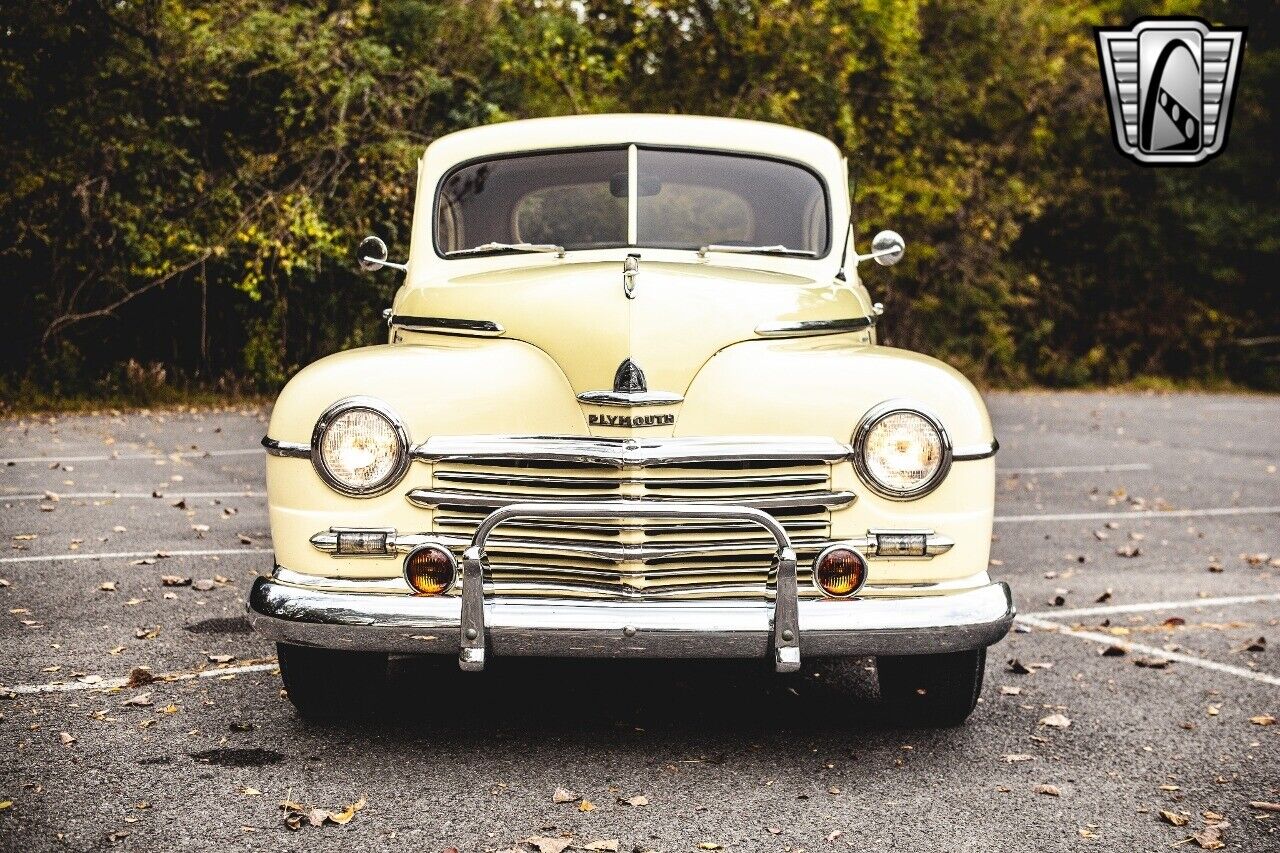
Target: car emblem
(629,378)
(1170,84)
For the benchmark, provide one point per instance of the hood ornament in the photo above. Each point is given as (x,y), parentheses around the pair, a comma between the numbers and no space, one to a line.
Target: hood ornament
(630,269)
(630,388)
(629,378)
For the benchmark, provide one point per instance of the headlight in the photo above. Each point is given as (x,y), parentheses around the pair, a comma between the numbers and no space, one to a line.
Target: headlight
(359,447)
(901,451)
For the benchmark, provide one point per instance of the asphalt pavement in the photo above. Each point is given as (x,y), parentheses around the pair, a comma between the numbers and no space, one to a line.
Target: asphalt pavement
(1132,710)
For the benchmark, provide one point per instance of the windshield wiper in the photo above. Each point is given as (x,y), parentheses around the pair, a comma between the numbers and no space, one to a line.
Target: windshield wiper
(513,247)
(754,250)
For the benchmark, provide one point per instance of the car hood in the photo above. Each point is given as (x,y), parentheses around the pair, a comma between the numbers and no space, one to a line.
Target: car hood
(678,316)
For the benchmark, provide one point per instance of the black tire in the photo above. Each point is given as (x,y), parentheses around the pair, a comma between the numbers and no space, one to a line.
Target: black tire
(328,683)
(934,691)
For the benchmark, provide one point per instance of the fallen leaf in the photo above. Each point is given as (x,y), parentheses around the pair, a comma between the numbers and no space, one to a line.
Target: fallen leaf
(203,584)
(245,540)
(147,633)
(1151,663)
(637,800)
(1263,720)
(1209,838)
(563,795)
(107,586)
(1017,757)
(1048,790)
(611,845)
(1174,818)
(1114,651)
(67,738)
(586,806)
(709,845)
(1057,721)
(142,700)
(1212,710)
(1263,805)
(1258,645)
(1104,598)
(1006,690)
(1129,551)
(546,844)
(200,530)
(1018,667)
(1173,622)
(174,580)
(138,676)
(221,658)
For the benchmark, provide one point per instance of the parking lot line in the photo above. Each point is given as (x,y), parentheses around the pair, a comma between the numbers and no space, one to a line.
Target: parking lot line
(125,457)
(1207,512)
(1152,651)
(114,683)
(1078,469)
(126,555)
(174,494)
(1148,606)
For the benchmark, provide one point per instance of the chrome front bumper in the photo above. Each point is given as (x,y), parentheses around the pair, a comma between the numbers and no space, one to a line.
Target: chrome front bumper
(471,625)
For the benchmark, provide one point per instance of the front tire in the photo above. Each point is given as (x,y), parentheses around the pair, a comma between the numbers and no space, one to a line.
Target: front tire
(329,683)
(934,691)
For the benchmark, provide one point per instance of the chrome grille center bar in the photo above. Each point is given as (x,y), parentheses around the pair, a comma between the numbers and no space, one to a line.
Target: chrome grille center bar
(734,451)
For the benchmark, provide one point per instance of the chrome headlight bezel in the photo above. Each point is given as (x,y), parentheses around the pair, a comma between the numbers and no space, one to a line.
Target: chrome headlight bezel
(873,417)
(382,410)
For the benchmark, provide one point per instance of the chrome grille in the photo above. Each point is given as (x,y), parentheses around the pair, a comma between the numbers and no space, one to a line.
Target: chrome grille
(639,557)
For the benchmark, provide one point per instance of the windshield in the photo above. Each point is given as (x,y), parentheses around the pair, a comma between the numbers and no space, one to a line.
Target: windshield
(583,200)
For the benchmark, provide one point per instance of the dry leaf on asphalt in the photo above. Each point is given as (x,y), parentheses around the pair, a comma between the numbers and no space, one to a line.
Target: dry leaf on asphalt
(586,806)
(1174,818)
(174,580)
(67,738)
(1014,758)
(1152,663)
(1263,720)
(637,800)
(142,700)
(203,584)
(1263,805)
(1006,690)
(609,845)
(1057,721)
(1209,838)
(563,795)
(1114,651)
(709,845)
(547,844)
(1129,551)
(1048,790)
(1104,598)
(1017,667)
(139,676)
(221,658)
(107,586)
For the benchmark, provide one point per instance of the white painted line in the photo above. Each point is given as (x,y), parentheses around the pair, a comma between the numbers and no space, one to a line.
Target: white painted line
(1078,469)
(1108,640)
(132,495)
(1148,606)
(125,457)
(113,683)
(1144,515)
(128,555)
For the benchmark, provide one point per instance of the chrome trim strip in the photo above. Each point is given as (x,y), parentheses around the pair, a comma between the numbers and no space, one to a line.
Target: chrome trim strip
(878,413)
(448,325)
(631,452)
(630,398)
(403,457)
(434,498)
(974,452)
(286,449)
(785,329)
(904,622)
(934,545)
(730,480)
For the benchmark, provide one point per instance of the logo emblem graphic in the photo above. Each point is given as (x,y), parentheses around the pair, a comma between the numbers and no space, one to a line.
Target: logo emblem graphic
(629,378)
(1170,84)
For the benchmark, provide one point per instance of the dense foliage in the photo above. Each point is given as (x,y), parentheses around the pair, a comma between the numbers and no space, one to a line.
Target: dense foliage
(182,183)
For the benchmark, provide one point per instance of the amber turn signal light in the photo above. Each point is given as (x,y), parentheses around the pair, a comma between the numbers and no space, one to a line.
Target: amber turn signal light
(430,569)
(840,571)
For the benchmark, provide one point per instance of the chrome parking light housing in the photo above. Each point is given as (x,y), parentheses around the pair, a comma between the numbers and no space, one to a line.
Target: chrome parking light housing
(397,434)
(877,415)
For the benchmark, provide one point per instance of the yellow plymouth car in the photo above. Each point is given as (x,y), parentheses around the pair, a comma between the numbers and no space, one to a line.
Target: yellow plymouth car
(632,405)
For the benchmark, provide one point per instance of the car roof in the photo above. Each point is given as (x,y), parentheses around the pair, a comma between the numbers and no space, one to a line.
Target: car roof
(676,131)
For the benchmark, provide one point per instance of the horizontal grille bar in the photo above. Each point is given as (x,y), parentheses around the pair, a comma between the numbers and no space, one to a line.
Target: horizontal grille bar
(433,498)
(738,451)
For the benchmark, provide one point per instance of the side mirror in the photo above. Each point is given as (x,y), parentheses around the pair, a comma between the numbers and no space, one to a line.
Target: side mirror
(887,248)
(371,255)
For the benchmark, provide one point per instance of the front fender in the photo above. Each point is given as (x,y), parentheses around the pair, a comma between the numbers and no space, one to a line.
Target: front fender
(448,386)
